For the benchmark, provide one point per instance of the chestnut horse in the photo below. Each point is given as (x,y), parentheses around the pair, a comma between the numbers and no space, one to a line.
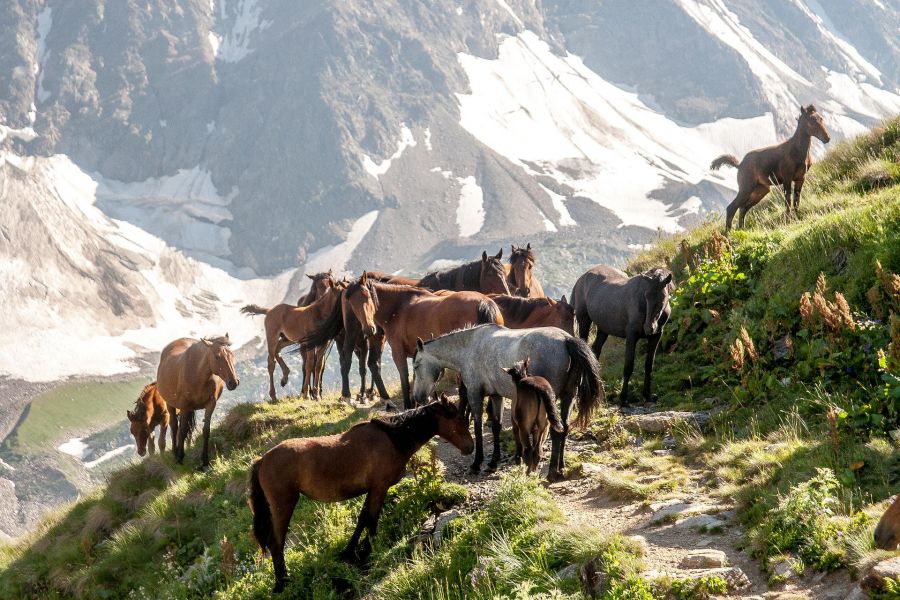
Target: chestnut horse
(887,533)
(150,411)
(533,412)
(784,164)
(367,459)
(190,376)
(286,324)
(522,313)
(406,313)
(520,273)
(320,284)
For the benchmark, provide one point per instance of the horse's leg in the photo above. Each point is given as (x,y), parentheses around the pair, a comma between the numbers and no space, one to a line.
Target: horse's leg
(584,325)
(376,502)
(403,370)
(308,360)
(285,370)
(183,425)
(798,185)
(173,419)
(738,202)
(376,349)
(564,408)
(207,418)
(597,346)
(517,435)
(756,196)
(652,344)
(476,406)
(151,443)
(345,356)
(270,365)
(787,200)
(362,355)
(163,426)
(630,345)
(320,367)
(281,518)
(496,427)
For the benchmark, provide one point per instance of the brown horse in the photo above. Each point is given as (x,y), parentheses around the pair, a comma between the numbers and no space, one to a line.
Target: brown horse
(367,459)
(320,283)
(522,313)
(520,273)
(887,533)
(315,355)
(150,411)
(190,376)
(286,324)
(487,276)
(407,313)
(533,412)
(784,164)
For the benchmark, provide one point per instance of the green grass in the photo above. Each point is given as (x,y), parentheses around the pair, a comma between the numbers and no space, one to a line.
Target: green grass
(56,415)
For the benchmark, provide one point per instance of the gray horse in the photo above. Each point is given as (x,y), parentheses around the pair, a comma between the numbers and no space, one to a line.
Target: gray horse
(630,308)
(480,353)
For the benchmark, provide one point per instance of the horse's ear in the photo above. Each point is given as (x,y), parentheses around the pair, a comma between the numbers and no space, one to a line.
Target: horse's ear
(810,109)
(509,370)
(499,255)
(528,246)
(512,248)
(364,278)
(207,342)
(310,276)
(227,339)
(130,415)
(420,345)
(329,272)
(563,299)
(667,280)
(484,255)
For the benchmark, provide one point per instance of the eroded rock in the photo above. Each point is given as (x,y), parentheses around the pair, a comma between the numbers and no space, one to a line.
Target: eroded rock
(706,558)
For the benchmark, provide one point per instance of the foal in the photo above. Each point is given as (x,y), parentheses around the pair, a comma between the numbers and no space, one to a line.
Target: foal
(367,459)
(150,411)
(533,412)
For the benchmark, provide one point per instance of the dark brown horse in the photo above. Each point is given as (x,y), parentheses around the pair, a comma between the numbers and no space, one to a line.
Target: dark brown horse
(191,376)
(784,164)
(533,412)
(887,533)
(406,313)
(626,307)
(367,459)
(487,276)
(150,411)
(522,313)
(520,273)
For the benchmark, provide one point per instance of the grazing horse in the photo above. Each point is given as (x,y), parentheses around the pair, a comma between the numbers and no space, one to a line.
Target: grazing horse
(487,276)
(533,411)
(478,354)
(190,376)
(406,313)
(784,164)
(522,313)
(286,324)
(367,459)
(520,273)
(887,533)
(150,411)
(630,308)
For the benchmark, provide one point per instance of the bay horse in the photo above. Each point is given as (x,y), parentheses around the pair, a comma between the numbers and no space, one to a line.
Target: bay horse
(627,307)
(286,324)
(784,164)
(520,273)
(533,412)
(367,459)
(191,376)
(478,354)
(315,355)
(487,276)
(522,313)
(150,411)
(887,533)
(407,313)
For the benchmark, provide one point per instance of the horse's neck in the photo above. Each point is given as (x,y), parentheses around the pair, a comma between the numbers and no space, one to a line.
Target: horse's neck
(197,361)
(391,300)
(322,307)
(448,348)
(800,142)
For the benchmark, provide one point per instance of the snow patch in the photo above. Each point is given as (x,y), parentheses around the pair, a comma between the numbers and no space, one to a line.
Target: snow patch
(336,257)
(407,140)
(507,8)
(470,211)
(44,23)
(74,447)
(234,45)
(559,203)
(428,138)
(214,43)
(107,456)
(443,263)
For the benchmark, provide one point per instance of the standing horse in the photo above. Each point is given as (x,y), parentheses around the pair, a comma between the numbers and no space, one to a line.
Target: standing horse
(520,273)
(315,355)
(487,276)
(533,412)
(407,313)
(522,313)
(784,164)
(479,353)
(190,376)
(630,308)
(367,459)
(887,533)
(286,324)
(150,411)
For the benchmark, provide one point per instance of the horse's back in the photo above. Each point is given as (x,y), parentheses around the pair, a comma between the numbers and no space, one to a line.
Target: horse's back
(170,373)
(501,347)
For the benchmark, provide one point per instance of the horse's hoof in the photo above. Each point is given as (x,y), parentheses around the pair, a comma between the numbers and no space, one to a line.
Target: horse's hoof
(475,469)
(284,382)
(279,587)
(554,476)
(517,460)
(204,468)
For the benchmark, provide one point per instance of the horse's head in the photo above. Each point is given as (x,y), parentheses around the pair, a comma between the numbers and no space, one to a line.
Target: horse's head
(427,370)
(521,262)
(518,371)
(887,533)
(493,276)
(221,360)
(453,425)
(140,430)
(657,287)
(320,284)
(812,124)
(563,315)
(362,299)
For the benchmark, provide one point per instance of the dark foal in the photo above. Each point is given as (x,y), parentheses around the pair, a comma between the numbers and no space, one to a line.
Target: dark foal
(533,412)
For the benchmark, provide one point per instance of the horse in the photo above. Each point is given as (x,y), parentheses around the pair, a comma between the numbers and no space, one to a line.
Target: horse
(150,411)
(315,355)
(487,276)
(887,532)
(406,313)
(320,283)
(522,313)
(190,376)
(367,459)
(286,324)
(478,354)
(630,308)
(784,164)
(520,273)
(533,412)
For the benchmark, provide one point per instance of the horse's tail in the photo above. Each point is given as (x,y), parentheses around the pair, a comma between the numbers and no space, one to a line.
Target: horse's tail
(259,505)
(585,370)
(725,159)
(489,312)
(254,309)
(330,328)
(547,397)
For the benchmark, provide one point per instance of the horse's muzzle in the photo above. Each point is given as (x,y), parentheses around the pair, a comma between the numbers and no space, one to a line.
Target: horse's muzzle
(232,385)
(468,448)
(825,139)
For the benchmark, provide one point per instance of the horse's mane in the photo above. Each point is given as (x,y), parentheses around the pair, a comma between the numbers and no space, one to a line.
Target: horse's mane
(469,273)
(397,287)
(140,405)
(405,430)
(526,253)
(468,327)
(518,308)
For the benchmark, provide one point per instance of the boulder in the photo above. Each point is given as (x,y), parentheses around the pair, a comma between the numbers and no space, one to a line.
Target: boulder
(673,510)
(701,522)
(706,558)
(886,569)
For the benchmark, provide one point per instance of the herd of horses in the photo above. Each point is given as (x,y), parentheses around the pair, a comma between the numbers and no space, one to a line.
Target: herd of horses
(486,321)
